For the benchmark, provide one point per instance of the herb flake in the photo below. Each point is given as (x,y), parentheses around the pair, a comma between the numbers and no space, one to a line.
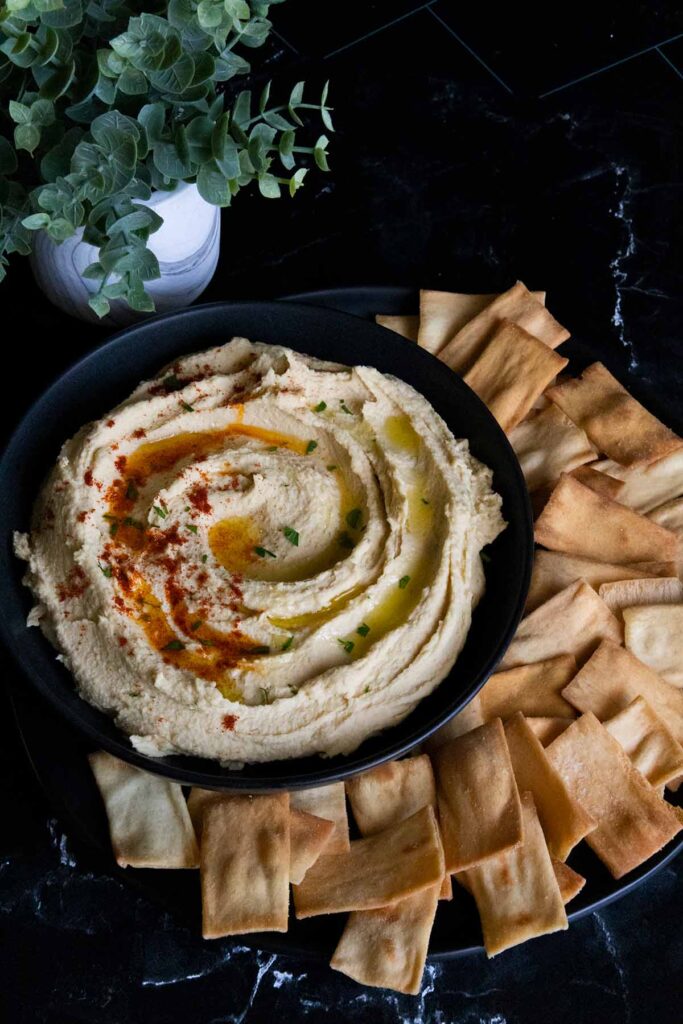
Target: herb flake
(187,407)
(311,447)
(160,511)
(174,645)
(287,644)
(320,407)
(191,527)
(292,535)
(403,582)
(348,645)
(106,570)
(363,629)
(264,553)
(354,518)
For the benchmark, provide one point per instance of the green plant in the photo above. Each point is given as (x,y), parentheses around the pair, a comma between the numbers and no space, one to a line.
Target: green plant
(105,104)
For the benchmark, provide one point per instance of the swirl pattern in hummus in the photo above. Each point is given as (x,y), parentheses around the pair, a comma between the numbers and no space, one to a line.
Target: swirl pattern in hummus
(260,556)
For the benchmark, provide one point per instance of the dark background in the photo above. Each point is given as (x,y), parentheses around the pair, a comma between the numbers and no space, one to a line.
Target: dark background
(476,145)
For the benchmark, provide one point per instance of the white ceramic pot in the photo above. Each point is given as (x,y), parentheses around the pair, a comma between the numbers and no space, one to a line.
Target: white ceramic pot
(186,246)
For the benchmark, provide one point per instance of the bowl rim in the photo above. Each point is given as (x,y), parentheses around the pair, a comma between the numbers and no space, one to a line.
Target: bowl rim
(215,776)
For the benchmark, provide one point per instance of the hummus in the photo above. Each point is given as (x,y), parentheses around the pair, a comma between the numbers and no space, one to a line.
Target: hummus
(259,555)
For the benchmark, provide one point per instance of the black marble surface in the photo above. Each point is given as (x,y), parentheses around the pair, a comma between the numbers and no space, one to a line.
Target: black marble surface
(475,146)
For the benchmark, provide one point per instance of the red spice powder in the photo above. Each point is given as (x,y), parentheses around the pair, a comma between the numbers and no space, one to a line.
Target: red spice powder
(198,497)
(110,423)
(75,585)
(229,722)
(120,463)
(87,476)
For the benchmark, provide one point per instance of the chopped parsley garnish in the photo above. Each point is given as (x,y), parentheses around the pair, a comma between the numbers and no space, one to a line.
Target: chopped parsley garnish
(346,542)
(174,645)
(403,582)
(273,448)
(311,447)
(262,649)
(108,515)
(113,529)
(348,645)
(135,523)
(205,643)
(287,644)
(194,626)
(363,630)
(292,535)
(187,407)
(186,509)
(131,491)
(366,690)
(205,558)
(353,518)
(424,501)
(106,570)
(331,468)
(264,553)
(163,512)
(320,407)
(344,407)
(191,527)
(171,383)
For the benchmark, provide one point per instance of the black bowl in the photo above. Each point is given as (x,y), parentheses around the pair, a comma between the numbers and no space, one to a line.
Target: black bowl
(109,373)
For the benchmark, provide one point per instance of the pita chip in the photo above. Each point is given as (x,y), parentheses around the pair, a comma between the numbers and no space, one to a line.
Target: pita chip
(391,792)
(546,729)
(669,515)
(653,749)
(326,802)
(570,882)
(443,314)
(308,838)
(149,824)
(390,866)
(532,689)
(387,947)
(612,678)
(406,326)
(517,893)
(518,305)
(616,423)
(563,820)
(555,570)
(479,807)
(244,866)
(650,485)
(633,822)
(548,445)
(626,593)
(654,634)
(602,483)
(572,622)
(578,521)
(511,372)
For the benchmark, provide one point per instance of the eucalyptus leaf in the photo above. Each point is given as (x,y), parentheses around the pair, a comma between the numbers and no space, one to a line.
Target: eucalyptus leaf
(26,136)
(212,185)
